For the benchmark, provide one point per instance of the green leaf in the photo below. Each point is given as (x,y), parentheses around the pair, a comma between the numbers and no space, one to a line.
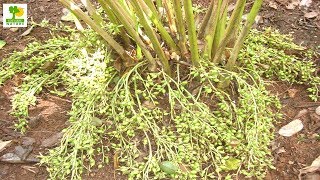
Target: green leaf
(232,164)
(2,43)
(96,121)
(168,167)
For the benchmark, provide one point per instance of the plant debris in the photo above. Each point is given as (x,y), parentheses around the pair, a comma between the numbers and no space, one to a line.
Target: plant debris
(52,140)
(314,167)
(318,110)
(311,15)
(4,144)
(292,128)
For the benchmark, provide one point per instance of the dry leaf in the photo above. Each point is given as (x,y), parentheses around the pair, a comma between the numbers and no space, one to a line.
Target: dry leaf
(231,7)
(116,160)
(234,143)
(312,176)
(281,150)
(315,166)
(31,169)
(17,79)
(4,144)
(41,8)
(27,32)
(175,56)
(301,113)
(292,92)
(306,3)
(283,2)
(78,24)
(311,14)
(318,25)
(117,64)
(149,105)
(292,128)
(273,5)
(48,66)
(316,162)
(290,162)
(65,11)
(11,158)
(183,168)
(196,91)
(14,29)
(290,6)
(201,44)
(318,110)
(274,145)
(258,19)
(293,4)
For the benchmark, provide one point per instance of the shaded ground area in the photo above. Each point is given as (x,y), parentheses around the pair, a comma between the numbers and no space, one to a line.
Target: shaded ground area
(306,31)
(298,151)
(49,116)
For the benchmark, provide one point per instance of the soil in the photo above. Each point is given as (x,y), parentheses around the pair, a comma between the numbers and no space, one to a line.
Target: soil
(290,153)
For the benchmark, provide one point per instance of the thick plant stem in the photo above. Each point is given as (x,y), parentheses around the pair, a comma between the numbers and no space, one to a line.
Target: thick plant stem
(113,19)
(110,14)
(152,8)
(128,24)
(205,20)
(245,31)
(81,15)
(232,26)
(240,40)
(153,37)
(170,16)
(211,27)
(180,26)
(156,21)
(120,12)
(234,35)
(92,11)
(158,3)
(221,26)
(187,4)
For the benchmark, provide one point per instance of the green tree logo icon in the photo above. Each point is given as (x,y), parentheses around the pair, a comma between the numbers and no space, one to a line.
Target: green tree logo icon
(13,10)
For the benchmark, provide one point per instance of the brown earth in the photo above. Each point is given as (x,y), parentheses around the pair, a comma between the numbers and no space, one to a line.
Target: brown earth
(300,150)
